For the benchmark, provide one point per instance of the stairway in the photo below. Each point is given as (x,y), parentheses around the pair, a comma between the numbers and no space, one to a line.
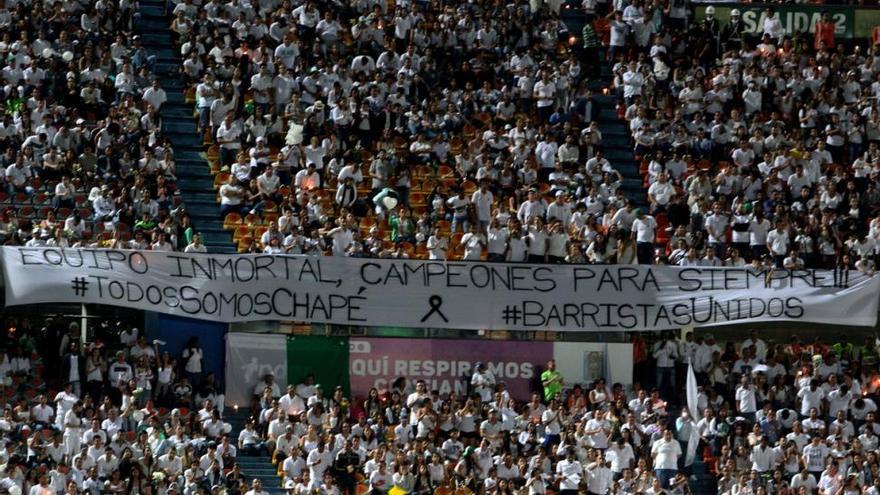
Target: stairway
(253,466)
(195,182)
(616,145)
(616,142)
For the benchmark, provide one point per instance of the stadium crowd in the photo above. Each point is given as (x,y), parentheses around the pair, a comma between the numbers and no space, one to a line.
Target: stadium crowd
(121,415)
(441,130)
(754,150)
(450,131)
(84,161)
(470,131)
(774,418)
(114,415)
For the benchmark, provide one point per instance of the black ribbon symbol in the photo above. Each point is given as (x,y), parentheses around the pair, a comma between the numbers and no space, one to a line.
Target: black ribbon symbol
(435,302)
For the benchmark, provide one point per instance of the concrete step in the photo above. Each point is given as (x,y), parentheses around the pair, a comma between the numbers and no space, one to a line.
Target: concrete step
(163,69)
(160,39)
(193,196)
(261,472)
(195,182)
(175,97)
(216,225)
(618,154)
(615,128)
(151,25)
(608,113)
(152,11)
(175,112)
(169,126)
(225,248)
(217,239)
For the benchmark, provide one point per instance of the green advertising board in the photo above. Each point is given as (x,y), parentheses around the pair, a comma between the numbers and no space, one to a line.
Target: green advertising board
(850,22)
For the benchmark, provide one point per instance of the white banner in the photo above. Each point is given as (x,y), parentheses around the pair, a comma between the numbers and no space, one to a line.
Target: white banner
(436,294)
(692,394)
(249,358)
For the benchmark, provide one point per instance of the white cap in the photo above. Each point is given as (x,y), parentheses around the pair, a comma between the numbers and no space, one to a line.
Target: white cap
(289,485)
(733,13)
(710,10)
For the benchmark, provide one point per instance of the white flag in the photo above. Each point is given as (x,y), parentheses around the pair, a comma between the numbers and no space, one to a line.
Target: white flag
(691,391)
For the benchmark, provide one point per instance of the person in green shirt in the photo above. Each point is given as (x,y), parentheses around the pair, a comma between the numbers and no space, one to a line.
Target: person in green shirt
(592,45)
(402,226)
(843,346)
(868,353)
(551,380)
(145,223)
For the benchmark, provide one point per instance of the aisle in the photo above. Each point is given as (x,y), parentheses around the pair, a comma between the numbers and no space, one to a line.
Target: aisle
(193,170)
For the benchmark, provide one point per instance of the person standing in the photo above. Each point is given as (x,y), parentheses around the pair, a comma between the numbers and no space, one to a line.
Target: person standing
(483,383)
(823,37)
(552,381)
(746,399)
(598,475)
(665,452)
(665,352)
(644,229)
(192,361)
(778,242)
(569,473)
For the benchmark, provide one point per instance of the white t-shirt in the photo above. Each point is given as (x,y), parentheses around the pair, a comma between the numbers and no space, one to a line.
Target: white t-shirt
(644,228)
(380,482)
(545,93)
(666,454)
(473,246)
(747,401)
(662,192)
(758,232)
(193,360)
(572,473)
(810,398)
(778,241)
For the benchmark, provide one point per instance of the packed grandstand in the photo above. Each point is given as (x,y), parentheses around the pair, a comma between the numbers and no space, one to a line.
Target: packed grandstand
(123,415)
(623,132)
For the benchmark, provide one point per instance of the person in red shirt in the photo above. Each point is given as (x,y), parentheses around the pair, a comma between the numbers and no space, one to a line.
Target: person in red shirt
(824,35)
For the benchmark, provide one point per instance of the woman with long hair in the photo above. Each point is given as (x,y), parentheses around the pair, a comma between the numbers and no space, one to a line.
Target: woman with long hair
(626,248)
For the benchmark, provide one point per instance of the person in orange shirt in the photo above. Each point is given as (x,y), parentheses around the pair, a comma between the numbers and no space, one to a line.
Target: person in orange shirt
(824,35)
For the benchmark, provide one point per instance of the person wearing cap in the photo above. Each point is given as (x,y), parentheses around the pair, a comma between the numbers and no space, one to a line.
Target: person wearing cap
(711,31)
